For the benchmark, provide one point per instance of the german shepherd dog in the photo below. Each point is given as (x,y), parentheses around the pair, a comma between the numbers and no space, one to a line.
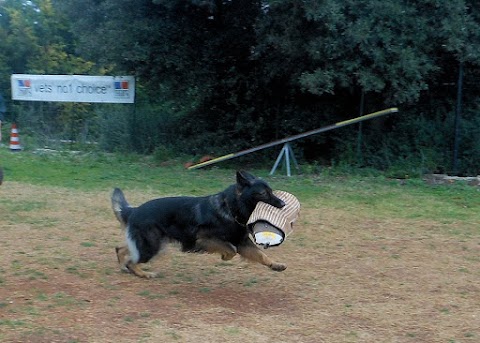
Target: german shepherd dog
(212,224)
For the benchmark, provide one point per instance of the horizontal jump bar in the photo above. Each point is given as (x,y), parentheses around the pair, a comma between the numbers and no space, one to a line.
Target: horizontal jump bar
(295,137)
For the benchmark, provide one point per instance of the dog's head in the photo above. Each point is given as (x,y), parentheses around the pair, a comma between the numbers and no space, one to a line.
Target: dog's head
(253,190)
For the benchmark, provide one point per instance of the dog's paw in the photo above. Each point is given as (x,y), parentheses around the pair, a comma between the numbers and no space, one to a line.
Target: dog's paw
(278,267)
(149,275)
(227,257)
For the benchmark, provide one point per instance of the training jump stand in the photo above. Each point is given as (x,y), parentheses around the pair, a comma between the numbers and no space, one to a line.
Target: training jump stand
(286,153)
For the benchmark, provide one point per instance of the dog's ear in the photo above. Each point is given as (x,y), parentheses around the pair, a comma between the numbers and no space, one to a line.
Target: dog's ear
(244,178)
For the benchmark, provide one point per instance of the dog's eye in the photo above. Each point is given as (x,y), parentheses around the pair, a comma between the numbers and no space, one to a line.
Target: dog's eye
(262,193)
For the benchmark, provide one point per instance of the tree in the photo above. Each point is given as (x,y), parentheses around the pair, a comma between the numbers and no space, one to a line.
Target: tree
(460,37)
(236,73)
(194,55)
(36,39)
(396,52)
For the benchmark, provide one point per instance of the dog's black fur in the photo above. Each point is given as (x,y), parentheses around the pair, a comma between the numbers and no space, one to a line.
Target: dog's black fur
(214,224)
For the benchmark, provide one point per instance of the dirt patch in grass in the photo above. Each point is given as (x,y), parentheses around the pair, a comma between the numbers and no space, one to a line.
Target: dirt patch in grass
(350,278)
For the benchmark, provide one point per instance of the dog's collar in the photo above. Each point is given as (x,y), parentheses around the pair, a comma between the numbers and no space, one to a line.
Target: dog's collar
(233,215)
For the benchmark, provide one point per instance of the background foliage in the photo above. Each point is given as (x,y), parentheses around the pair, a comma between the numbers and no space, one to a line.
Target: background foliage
(217,76)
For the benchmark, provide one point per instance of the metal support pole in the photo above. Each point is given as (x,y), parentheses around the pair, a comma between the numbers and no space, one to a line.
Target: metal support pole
(288,153)
(458,118)
(287,159)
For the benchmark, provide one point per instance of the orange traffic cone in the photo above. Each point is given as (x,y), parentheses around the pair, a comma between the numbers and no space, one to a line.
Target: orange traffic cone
(14,139)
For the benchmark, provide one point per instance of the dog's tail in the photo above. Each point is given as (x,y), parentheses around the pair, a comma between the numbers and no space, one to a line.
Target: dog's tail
(120,206)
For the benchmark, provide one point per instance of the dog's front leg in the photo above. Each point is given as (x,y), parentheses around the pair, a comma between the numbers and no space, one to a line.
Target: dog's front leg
(251,252)
(213,245)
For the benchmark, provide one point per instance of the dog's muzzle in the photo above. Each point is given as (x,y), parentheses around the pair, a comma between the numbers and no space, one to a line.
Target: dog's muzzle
(280,203)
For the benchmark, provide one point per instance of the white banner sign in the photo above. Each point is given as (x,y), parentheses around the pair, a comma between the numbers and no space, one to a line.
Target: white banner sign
(73,88)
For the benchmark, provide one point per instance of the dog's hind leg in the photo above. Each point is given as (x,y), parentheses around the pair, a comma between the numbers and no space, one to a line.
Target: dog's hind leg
(135,269)
(123,256)
(128,266)
(217,246)
(128,257)
(251,252)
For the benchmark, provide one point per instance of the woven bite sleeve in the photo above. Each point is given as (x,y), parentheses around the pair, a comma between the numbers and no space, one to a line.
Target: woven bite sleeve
(281,218)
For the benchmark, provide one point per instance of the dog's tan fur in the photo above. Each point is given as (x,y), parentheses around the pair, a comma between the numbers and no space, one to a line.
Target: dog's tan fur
(247,250)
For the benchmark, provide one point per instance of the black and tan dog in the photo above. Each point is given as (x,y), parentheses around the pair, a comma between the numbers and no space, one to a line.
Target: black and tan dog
(213,224)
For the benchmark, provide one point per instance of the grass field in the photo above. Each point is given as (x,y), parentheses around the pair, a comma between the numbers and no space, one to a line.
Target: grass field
(371,259)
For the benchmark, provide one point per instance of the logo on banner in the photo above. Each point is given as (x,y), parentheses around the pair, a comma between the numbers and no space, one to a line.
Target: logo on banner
(24,83)
(25,87)
(121,89)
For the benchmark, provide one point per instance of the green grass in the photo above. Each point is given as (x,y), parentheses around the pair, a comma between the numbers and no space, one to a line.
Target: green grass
(368,195)
(12,323)
(148,294)
(104,171)
(251,282)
